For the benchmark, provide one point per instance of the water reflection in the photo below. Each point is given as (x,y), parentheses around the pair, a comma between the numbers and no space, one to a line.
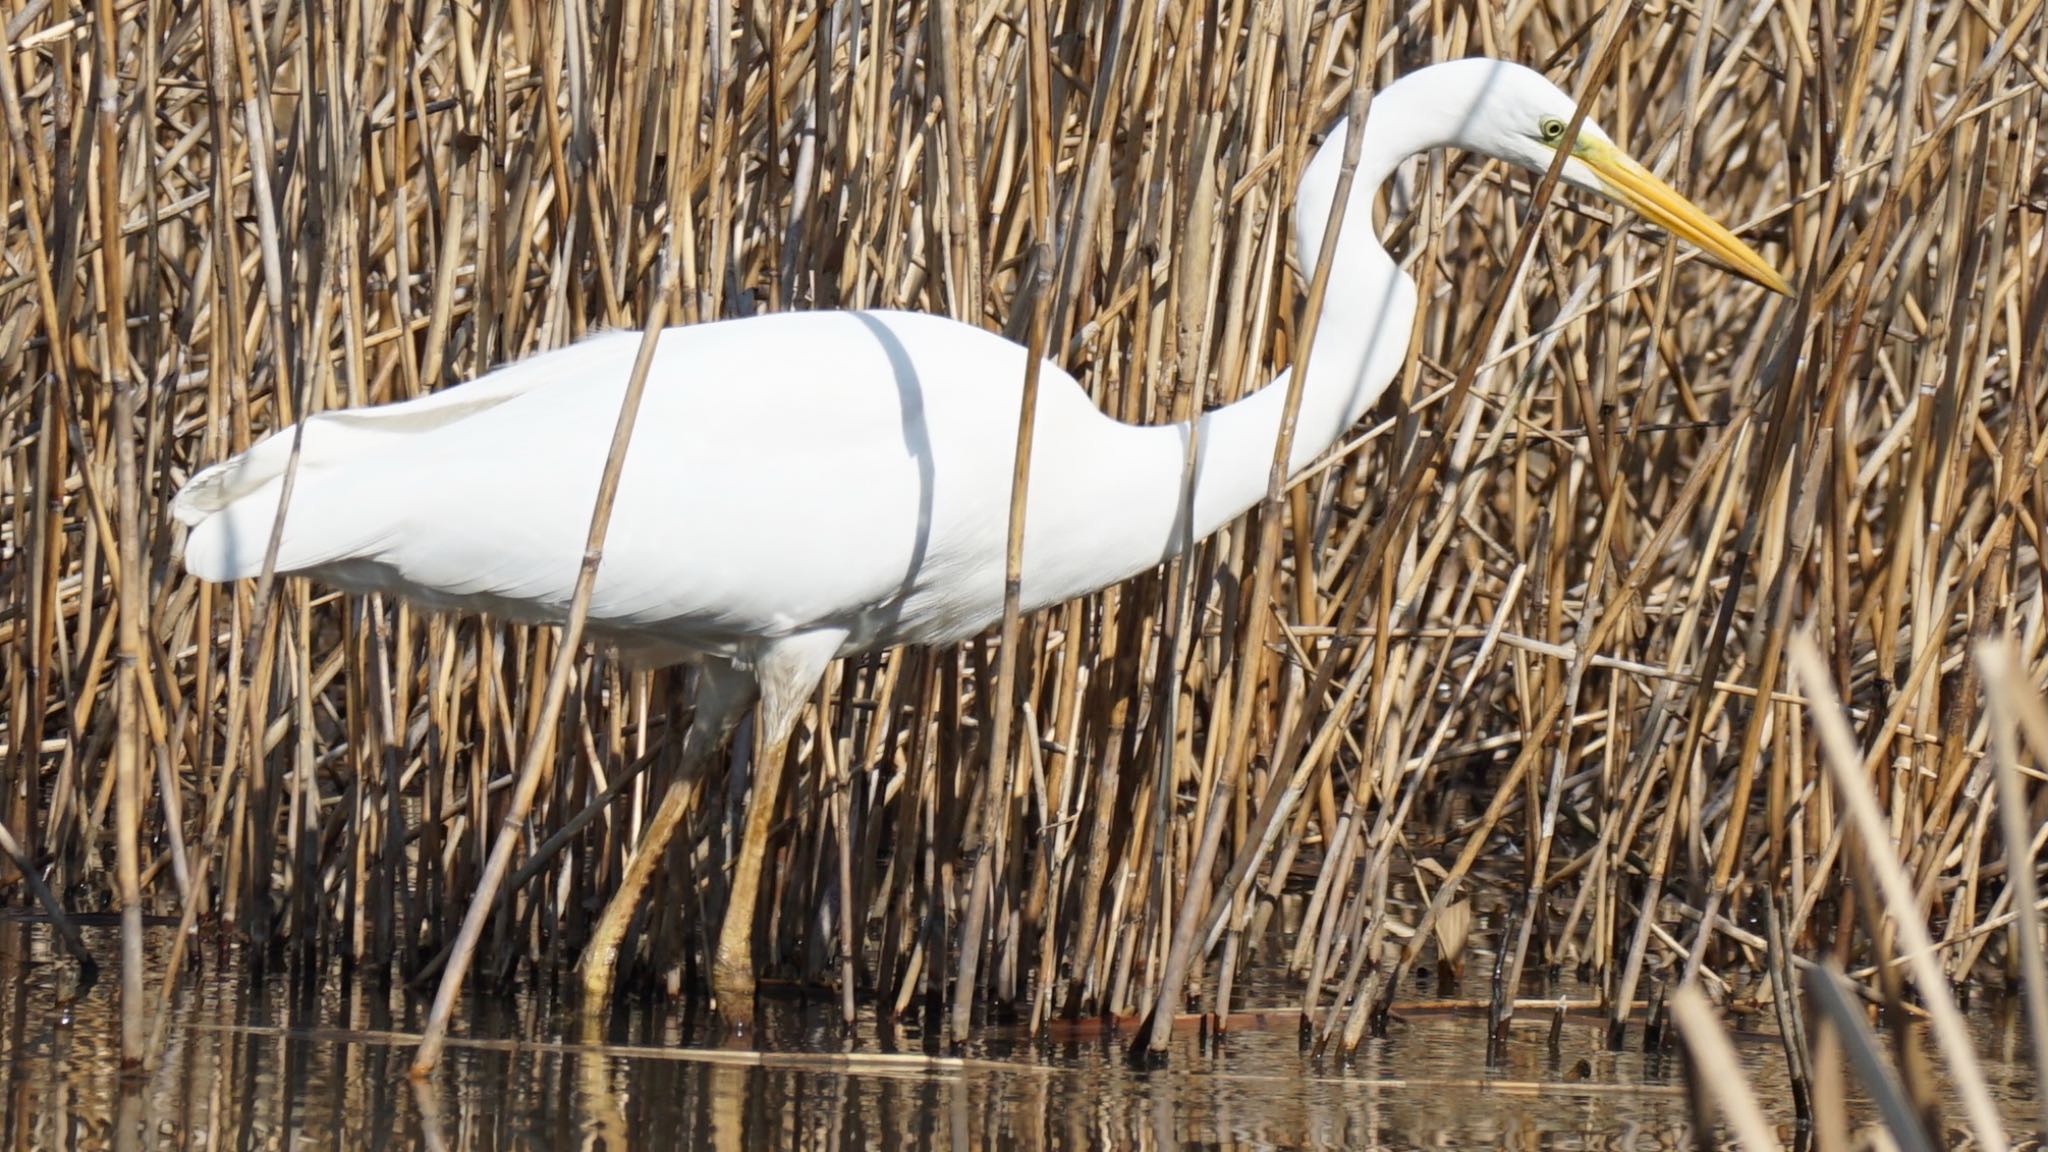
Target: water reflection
(279,1063)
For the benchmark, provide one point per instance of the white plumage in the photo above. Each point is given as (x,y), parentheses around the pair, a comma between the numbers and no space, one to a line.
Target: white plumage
(802,486)
(845,483)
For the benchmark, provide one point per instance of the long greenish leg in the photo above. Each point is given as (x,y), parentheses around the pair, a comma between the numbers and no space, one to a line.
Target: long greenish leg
(788,675)
(723,694)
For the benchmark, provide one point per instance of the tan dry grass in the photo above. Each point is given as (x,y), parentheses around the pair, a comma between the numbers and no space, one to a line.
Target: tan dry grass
(1658,474)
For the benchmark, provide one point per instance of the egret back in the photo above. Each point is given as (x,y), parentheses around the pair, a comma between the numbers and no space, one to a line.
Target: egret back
(787,473)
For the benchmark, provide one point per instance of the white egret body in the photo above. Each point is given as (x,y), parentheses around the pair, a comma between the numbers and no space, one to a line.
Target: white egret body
(803,486)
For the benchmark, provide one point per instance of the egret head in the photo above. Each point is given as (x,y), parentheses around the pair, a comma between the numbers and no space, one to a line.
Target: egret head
(1512,113)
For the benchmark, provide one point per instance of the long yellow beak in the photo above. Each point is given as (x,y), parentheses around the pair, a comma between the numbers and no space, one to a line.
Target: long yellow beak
(1658,202)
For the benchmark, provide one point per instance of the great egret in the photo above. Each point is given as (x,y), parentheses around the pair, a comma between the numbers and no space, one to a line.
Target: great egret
(805,486)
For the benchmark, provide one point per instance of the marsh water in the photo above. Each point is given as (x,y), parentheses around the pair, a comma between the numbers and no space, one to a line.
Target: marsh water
(290,1062)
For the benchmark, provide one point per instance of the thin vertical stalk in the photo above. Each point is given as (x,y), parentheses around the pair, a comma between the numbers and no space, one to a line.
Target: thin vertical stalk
(995,788)
(130,587)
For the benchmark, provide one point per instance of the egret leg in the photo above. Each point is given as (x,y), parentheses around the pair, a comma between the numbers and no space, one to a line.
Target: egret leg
(788,674)
(723,693)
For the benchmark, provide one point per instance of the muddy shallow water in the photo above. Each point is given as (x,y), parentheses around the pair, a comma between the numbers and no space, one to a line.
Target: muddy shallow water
(278,1063)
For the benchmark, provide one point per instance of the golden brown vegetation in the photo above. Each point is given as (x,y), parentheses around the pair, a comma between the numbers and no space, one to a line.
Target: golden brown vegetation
(1540,623)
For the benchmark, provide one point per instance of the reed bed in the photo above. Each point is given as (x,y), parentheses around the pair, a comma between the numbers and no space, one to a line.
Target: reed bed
(1520,643)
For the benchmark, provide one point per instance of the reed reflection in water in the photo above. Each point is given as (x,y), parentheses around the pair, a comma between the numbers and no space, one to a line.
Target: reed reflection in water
(281,1062)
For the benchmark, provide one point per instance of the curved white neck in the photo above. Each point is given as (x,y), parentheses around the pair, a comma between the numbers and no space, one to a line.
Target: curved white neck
(1359,346)
(1362,336)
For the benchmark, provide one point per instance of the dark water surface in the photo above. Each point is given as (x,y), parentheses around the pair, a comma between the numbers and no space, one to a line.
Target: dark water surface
(275,1063)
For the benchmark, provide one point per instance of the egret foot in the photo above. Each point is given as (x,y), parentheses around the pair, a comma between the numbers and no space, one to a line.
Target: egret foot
(732,968)
(732,987)
(599,963)
(788,673)
(723,694)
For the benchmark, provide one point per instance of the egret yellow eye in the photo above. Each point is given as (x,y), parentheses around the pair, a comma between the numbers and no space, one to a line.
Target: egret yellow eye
(1552,129)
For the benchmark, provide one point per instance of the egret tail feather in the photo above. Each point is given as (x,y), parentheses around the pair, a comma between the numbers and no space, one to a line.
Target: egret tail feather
(321,527)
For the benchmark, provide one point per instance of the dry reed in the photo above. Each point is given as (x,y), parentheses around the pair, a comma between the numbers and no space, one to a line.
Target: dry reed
(1536,612)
